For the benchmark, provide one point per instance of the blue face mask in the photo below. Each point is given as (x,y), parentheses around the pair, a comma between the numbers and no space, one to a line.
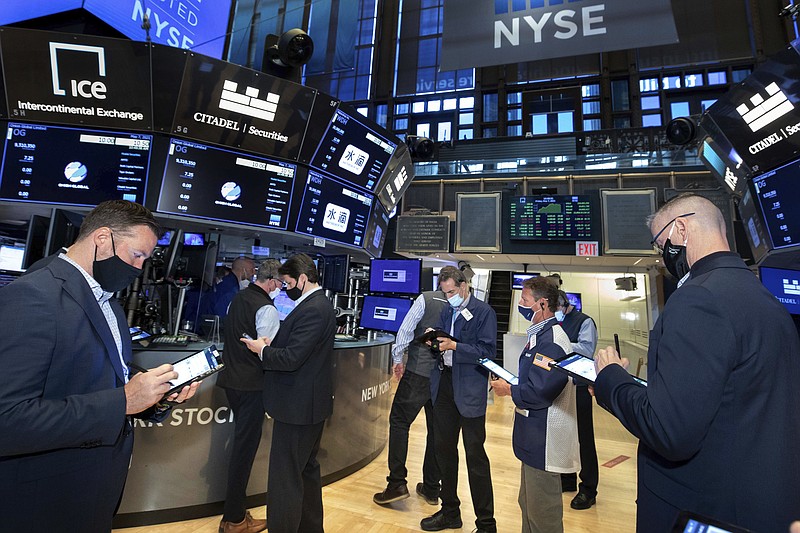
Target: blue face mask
(526,312)
(456,300)
(560,316)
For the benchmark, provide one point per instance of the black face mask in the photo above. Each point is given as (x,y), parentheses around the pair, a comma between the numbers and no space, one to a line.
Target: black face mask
(675,259)
(295,292)
(113,274)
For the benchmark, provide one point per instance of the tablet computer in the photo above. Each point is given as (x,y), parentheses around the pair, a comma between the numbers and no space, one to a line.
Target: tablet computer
(137,333)
(499,371)
(434,334)
(581,368)
(196,367)
(689,522)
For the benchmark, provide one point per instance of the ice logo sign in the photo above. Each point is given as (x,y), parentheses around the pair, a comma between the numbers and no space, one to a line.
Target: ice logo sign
(354,160)
(248,103)
(79,88)
(336,218)
(75,172)
(231,191)
(765,111)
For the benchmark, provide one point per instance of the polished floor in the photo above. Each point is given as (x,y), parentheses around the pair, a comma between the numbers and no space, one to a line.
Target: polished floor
(349,507)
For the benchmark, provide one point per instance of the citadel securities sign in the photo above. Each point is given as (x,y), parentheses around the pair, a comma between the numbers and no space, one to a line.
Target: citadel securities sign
(498,32)
(76,79)
(234,106)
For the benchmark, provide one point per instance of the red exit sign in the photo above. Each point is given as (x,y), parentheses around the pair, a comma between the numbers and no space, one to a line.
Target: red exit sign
(586,249)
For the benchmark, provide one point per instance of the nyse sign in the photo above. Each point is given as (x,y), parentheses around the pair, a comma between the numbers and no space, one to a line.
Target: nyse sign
(495,32)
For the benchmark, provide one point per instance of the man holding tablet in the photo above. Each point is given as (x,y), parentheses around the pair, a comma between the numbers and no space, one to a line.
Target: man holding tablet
(545,434)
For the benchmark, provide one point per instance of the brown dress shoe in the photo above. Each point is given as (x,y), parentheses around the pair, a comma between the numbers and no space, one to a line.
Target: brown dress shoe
(248,525)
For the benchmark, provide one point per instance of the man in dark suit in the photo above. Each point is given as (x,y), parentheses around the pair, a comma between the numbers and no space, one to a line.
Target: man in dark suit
(298,395)
(66,392)
(459,387)
(719,422)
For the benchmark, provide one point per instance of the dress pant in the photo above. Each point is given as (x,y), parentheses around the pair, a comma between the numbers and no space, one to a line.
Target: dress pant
(448,424)
(413,393)
(589,469)
(294,488)
(248,413)
(540,501)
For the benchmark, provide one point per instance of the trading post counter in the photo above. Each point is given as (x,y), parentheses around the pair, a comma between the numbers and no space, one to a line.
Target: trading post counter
(179,467)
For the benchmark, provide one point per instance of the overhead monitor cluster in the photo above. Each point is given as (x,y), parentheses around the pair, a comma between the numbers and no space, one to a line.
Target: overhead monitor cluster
(189,135)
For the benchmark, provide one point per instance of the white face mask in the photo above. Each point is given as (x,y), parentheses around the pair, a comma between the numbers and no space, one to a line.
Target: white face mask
(274,294)
(243,283)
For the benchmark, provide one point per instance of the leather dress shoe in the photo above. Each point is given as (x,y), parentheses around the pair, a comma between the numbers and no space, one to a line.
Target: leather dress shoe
(429,499)
(390,495)
(247,525)
(439,521)
(582,501)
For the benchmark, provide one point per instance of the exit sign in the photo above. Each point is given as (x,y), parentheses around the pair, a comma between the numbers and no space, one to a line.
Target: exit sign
(586,249)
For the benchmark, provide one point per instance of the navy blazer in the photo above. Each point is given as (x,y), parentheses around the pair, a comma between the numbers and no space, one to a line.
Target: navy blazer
(298,384)
(719,423)
(477,338)
(65,444)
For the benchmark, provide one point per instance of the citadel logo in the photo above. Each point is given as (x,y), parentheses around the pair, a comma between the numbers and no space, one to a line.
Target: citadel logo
(765,111)
(248,103)
(79,88)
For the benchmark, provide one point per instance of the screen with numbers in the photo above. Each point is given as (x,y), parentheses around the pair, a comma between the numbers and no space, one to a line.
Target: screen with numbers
(777,191)
(550,217)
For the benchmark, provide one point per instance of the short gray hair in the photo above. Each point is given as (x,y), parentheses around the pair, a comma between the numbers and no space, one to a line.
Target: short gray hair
(268,270)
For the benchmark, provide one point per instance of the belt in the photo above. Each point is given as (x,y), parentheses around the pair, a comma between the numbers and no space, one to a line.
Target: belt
(523,412)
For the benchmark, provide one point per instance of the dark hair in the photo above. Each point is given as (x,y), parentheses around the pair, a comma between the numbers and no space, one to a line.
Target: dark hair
(563,299)
(451,272)
(541,287)
(120,216)
(299,264)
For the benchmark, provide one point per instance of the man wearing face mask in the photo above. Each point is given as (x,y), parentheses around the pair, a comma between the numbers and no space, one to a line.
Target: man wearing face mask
(253,312)
(298,395)
(723,368)
(459,394)
(545,437)
(66,392)
(582,333)
(242,271)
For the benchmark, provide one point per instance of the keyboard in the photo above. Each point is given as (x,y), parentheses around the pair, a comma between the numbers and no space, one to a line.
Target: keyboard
(169,340)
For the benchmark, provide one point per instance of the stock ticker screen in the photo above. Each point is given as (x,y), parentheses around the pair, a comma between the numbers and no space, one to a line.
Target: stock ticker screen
(550,218)
(72,166)
(219,184)
(777,192)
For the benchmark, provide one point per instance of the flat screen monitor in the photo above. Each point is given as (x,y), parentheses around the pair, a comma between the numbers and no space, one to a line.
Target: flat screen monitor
(354,151)
(219,184)
(784,284)
(575,300)
(63,230)
(398,276)
(333,210)
(376,230)
(517,278)
(383,313)
(335,272)
(11,257)
(283,304)
(36,240)
(165,239)
(11,12)
(71,166)
(197,263)
(777,192)
(194,239)
(557,217)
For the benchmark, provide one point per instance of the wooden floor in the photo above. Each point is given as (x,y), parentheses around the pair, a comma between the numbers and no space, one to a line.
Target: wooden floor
(349,507)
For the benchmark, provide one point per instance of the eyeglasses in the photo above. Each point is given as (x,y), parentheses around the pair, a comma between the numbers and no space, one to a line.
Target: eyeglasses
(653,242)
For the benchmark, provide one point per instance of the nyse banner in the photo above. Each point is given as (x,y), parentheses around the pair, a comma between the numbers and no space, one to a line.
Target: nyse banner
(76,79)
(234,106)
(498,32)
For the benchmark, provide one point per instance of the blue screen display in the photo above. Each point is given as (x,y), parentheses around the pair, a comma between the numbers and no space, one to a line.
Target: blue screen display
(194,239)
(196,26)
(13,11)
(575,299)
(283,304)
(383,313)
(517,278)
(784,284)
(398,276)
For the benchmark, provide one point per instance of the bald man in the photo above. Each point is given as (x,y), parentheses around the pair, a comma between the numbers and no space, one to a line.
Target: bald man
(242,271)
(719,422)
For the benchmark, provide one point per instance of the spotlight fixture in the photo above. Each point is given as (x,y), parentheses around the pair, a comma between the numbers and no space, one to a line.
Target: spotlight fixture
(681,131)
(420,148)
(285,54)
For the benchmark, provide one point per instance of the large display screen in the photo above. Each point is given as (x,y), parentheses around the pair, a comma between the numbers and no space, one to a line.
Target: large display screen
(12,11)
(220,184)
(398,276)
(334,211)
(518,278)
(196,26)
(784,284)
(376,230)
(383,313)
(550,218)
(777,192)
(69,166)
(353,151)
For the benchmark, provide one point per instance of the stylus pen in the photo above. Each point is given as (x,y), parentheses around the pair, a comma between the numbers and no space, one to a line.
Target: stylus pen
(616,343)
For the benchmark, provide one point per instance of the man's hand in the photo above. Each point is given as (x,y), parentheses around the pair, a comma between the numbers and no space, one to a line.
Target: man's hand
(501,387)
(446,344)
(185,393)
(605,357)
(398,370)
(146,389)
(256,345)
